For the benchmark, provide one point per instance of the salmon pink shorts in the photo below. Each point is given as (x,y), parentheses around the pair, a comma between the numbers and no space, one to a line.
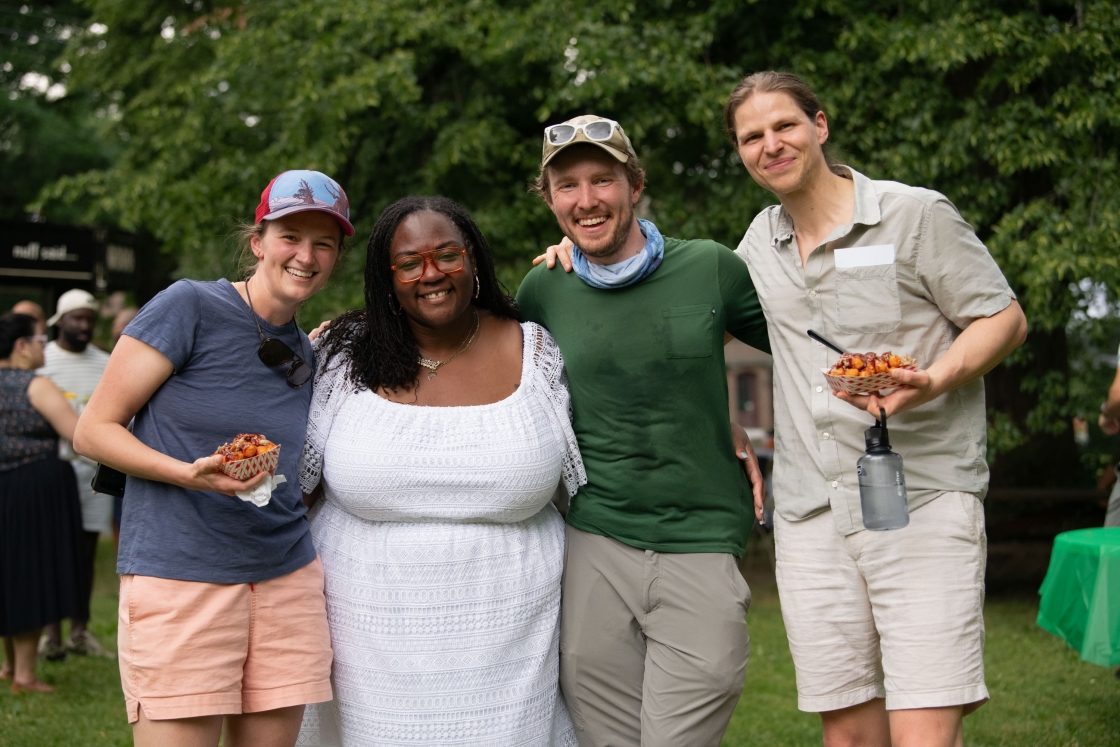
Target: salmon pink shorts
(191,649)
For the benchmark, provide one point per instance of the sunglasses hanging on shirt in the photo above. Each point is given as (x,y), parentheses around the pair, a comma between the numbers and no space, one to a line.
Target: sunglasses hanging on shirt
(274,352)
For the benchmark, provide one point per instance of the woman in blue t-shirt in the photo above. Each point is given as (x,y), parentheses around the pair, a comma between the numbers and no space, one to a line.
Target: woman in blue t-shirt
(222,614)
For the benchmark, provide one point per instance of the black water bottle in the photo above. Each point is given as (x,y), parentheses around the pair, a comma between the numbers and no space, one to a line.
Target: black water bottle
(882,483)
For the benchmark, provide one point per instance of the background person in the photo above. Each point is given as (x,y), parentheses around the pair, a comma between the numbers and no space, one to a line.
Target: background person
(221,615)
(35,311)
(75,366)
(121,320)
(1109,421)
(438,435)
(40,517)
(886,628)
(654,641)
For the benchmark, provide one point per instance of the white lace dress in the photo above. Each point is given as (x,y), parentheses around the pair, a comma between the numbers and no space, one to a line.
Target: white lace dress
(443,554)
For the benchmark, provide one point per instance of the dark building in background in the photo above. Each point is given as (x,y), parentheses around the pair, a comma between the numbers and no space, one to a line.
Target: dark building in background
(40,261)
(750,386)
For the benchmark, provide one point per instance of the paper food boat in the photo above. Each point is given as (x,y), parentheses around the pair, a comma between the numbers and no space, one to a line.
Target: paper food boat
(243,469)
(872,384)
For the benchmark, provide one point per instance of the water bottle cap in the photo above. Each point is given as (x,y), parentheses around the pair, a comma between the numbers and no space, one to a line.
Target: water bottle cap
(877,438)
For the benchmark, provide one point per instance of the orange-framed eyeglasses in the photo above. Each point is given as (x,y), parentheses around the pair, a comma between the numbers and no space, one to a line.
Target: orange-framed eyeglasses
(410,267)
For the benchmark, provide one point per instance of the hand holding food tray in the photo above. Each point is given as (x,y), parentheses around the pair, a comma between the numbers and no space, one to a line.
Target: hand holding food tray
(867,373)
(247,455)
(863,373)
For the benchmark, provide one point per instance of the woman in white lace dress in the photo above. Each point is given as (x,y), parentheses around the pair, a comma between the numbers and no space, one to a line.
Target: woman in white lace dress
(438,435)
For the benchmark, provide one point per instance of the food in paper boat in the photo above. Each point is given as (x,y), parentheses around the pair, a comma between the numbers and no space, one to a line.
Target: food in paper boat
(866,373)
(249,454)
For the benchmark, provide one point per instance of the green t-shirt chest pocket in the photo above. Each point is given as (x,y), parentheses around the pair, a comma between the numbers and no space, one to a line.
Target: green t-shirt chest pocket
(867,299)
(688,331)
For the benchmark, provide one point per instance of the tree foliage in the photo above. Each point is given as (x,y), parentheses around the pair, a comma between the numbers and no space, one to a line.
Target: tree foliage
(1008,108)
(44,132)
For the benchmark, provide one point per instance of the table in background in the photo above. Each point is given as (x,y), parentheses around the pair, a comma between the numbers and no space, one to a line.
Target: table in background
(1081,594)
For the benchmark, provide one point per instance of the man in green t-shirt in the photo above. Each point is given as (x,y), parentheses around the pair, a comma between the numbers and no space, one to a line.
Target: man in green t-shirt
(654,641)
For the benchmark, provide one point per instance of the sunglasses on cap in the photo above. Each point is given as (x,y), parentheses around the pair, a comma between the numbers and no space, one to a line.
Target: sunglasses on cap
(599,131)
(274,352)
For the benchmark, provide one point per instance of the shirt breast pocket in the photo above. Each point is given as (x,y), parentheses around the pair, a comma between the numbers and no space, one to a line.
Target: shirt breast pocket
(867,299)
(688,331)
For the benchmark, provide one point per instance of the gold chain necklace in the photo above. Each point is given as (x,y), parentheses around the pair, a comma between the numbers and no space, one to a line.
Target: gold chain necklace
(434,366)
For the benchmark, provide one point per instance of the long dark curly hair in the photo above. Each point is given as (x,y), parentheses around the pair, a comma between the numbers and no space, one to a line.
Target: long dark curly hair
(378,344)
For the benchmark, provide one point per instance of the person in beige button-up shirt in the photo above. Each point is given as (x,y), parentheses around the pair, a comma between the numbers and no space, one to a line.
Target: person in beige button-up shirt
(886,628)
(906,274)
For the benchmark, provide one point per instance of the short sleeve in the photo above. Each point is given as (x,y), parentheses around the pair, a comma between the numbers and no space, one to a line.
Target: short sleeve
(552,381)
(957,270)
(331,384)
(170,322)
(527,298)
(750,238)
(745,318)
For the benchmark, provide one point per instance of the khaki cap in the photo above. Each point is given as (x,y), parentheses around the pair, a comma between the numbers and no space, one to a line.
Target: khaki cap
(618,145)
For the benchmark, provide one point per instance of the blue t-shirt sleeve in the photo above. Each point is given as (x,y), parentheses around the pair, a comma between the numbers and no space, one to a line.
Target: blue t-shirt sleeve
(169,322)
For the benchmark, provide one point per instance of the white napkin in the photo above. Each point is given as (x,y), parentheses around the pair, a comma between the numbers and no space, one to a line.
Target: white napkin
(262,494)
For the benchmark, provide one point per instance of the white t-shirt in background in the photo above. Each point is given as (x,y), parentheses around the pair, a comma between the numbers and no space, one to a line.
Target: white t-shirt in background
(77,375)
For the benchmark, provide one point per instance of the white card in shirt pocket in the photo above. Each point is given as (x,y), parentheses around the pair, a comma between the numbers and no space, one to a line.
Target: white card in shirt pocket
(864,256)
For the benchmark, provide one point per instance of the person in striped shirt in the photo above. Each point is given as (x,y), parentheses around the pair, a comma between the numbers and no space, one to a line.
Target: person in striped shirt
(75,365)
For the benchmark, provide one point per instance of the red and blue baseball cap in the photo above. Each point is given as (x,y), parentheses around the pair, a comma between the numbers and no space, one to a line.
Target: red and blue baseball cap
(301,189)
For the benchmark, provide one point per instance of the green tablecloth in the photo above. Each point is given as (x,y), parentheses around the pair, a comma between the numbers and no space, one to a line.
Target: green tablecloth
(1081,594)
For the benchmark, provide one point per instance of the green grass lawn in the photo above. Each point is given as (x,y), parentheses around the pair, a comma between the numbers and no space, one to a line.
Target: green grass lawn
(87,707)
(1042,695)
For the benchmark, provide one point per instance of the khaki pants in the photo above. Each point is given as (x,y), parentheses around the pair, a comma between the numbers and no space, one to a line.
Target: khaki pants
(653,646)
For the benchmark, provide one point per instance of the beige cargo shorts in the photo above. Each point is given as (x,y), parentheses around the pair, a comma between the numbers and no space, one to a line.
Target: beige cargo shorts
(893,614)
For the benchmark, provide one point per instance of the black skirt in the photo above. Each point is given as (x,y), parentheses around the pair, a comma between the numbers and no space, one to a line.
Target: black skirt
(40,547)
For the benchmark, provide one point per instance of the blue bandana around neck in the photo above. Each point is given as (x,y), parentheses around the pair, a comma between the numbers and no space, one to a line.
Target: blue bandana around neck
(628,271)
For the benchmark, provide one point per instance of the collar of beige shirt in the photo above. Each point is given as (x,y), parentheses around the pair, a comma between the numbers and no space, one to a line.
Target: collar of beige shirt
(866,210)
